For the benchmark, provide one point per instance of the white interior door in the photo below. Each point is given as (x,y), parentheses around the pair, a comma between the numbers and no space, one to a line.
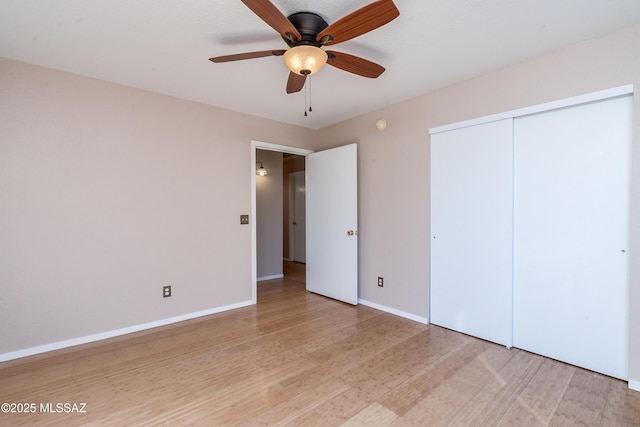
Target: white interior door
(298,220)
(471,230)
(332,223)
(572,177)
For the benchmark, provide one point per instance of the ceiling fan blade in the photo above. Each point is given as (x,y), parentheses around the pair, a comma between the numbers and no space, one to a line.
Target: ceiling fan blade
(247,55)
(361,21)
(274,18)
(354,64)
(295,83)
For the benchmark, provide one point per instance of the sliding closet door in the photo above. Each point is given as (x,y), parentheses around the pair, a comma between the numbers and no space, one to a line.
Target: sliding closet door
(471,230)
(571,209)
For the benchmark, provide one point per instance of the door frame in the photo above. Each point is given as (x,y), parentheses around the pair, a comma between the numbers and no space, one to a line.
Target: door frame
(255,145)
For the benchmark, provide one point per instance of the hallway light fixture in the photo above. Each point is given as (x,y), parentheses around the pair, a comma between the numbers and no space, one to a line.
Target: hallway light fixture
(260,171)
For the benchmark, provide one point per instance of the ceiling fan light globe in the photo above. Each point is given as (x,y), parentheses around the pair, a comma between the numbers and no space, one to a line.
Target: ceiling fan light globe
(305,60)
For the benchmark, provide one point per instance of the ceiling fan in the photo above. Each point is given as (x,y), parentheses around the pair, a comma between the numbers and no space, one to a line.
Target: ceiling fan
(306,32)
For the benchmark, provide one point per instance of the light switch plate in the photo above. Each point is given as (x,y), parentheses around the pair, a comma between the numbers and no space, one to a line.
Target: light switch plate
(244,219)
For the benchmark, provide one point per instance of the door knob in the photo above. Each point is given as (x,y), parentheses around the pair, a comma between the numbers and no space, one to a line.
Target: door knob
(352,232)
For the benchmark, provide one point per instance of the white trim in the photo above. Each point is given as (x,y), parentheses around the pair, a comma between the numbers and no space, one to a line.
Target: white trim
(281,148)
(404,314)
(115,333)
(252,221)
(634,385)
(554,105)
(275,276)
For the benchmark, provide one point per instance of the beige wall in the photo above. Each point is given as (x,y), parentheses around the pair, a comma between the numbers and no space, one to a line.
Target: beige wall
(394,164)
(107,193)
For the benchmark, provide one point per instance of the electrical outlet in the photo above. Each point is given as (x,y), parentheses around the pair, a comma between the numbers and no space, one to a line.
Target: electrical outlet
(380,281)
(244,219)
(166,291)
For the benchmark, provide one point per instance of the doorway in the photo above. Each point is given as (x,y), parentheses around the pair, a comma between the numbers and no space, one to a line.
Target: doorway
(331,216)
(290,159)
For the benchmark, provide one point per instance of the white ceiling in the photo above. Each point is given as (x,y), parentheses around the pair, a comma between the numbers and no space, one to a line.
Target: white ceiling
(164,45)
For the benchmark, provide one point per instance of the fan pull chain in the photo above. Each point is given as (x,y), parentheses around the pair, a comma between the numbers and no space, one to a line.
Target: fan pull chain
(309,84)
(306,89)
(307,96)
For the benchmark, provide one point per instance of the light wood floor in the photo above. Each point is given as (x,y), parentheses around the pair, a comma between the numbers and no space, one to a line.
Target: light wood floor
(299,359)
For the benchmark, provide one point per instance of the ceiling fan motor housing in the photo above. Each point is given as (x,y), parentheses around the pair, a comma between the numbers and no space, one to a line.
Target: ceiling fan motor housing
(309,25)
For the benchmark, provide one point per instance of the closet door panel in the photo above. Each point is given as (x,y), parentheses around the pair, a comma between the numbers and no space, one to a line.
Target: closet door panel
(571,185)
(471,230)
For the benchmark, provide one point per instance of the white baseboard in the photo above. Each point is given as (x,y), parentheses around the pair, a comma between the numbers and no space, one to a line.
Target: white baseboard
(115,333)
(634,385)
(394,311)
(275,276)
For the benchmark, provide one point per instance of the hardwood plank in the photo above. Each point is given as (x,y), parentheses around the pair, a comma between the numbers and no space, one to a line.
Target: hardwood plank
(300,404)
(584,400)
(489,405)
(540,398)
(406,395)
(374,414)
(297,358)
(344,406)
(622,407)
(441,405)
